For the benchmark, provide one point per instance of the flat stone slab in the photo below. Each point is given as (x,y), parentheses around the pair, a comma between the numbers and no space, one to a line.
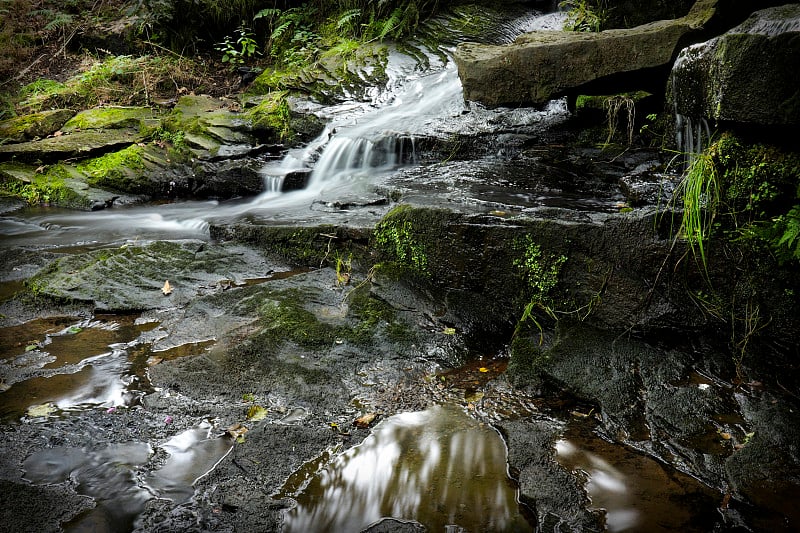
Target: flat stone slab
(79,144)
(543,65)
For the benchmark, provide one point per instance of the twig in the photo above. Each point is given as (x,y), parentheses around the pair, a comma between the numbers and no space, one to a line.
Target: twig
(25,70)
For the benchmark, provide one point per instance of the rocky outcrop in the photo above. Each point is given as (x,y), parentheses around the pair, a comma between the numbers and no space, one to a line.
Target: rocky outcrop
(117,154)
(543,65)
(746,76)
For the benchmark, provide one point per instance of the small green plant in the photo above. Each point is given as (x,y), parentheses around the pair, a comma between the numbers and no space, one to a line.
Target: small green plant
(540,273)
(397,237)
(584,15)
(235,53)
(344,268)
(700,189)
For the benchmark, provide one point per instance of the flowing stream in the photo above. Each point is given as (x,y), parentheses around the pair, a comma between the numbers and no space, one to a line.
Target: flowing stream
(439,467)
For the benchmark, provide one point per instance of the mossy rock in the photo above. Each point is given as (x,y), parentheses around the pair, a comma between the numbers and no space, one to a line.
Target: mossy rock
(79,144)
(209,124)
(130,278)
(144,169)
(58,185)
(28,127)
(99,118)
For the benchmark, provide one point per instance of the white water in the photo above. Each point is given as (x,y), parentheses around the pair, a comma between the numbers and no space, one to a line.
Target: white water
(364,141)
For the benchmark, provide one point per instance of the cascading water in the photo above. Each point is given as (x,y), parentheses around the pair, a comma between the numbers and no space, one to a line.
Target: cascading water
(690,131)
(364,140)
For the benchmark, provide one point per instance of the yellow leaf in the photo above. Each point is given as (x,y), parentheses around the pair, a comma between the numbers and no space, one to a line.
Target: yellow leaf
(256,413)
(449,331)
(167,288)
(483,369)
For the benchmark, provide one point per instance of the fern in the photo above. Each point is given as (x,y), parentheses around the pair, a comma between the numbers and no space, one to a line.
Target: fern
(347,18)
(278,32)
(269,13)
(788,227)
(391,24)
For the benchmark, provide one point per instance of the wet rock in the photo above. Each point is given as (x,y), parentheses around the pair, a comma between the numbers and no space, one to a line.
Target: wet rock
(543,65)
(649,185)
(25,507)
(131,277)
(745,76)
(554,494)
(393,525)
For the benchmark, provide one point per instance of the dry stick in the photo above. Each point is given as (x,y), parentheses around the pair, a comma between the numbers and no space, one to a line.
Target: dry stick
(25,70)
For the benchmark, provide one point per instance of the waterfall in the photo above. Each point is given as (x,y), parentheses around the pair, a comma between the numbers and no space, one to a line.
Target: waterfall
(692,132)
(691,135)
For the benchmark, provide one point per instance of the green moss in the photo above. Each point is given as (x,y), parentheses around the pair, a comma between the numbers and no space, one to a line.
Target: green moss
(117,170)
(285,318)
(758,178)
(272,114)
(111,117)
(395,236)
(48,188)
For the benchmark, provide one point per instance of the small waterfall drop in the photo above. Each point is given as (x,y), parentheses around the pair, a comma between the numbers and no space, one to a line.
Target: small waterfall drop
(692,132)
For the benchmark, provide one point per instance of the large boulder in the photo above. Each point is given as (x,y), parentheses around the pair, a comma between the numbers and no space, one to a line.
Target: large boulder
(543,65)
(748,75)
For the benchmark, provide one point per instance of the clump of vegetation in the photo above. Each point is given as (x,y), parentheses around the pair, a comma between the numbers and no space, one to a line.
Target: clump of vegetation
(540,273)
(235,53)
(585,15)
(117,80)
(46,188)
(747,192)
(395,236)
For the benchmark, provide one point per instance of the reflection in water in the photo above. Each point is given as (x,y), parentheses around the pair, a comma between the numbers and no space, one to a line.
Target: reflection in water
(636,492)
(193,454)
(68,365)
(110,475)
(438,467)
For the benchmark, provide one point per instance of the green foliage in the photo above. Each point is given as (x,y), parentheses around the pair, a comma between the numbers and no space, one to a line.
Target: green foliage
(236,53)
(45,189)
(540,273)
(700,189)
(585,15)
(750,191)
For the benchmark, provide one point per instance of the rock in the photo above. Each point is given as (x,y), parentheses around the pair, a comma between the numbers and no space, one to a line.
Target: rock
(131,277)
(80,144)
(746,76)
(100,118)
(28,127)
(559,501)
(543,65)
(213,127)
(50,506)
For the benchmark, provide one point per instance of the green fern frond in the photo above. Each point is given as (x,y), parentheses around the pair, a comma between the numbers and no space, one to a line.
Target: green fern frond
(268,13)
(347,18)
